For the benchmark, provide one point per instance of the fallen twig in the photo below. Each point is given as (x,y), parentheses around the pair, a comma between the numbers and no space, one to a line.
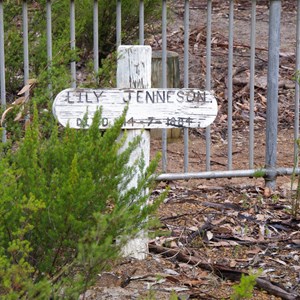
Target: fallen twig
(223,271)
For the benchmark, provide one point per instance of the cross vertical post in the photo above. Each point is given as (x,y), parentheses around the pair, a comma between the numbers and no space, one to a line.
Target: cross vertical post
(134,71)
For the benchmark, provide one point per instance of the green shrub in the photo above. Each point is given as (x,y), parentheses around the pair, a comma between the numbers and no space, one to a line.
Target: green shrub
(244,290)
(63,204)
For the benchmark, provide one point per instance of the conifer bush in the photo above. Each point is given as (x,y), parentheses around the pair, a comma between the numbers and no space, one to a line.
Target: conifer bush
(63,204)
(64,200)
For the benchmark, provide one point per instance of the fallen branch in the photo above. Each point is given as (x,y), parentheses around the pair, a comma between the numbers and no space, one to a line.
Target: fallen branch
(275,290)
(222,271)
(222,206)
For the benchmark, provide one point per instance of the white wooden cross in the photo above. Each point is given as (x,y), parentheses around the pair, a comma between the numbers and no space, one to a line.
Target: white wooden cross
(148,108)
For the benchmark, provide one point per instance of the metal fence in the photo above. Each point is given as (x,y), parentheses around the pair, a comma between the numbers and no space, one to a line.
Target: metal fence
(269,168)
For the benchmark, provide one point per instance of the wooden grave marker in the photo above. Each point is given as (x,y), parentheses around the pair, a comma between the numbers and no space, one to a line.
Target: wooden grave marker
(147,108)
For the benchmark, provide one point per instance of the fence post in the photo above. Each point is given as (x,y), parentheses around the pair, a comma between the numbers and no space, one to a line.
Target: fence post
(72,41)
(2,67)
(230,83)
(164,80)
(134,71)
(272,93)
(119,23)
(252,81)
(297,88)
(96,36)
(186,77)
(208,77)
(25,41)
(142,22)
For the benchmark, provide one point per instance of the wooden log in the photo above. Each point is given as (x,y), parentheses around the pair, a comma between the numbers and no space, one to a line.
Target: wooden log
(173,81)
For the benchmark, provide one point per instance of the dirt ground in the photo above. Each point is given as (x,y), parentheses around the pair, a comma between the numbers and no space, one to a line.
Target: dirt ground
(215,230)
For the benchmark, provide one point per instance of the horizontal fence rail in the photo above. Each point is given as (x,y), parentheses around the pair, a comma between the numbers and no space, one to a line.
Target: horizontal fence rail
(270,168)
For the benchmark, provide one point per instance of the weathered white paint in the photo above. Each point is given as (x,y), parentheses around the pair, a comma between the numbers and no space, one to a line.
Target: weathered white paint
(134,70)
(148,108)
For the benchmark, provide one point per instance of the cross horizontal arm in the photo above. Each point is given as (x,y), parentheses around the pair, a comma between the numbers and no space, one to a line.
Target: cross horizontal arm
(147,108)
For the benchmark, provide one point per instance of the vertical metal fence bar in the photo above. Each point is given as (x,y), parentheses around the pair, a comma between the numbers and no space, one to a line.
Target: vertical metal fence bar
(164,78)
(186,75)
(96,36)
(272,93)
(2,67)
(25,41)
(229,88)
(141,22)
(49,40)
(49,31)
(252,74)
(119,24)
(208,77)
(296,121)
(72,43)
